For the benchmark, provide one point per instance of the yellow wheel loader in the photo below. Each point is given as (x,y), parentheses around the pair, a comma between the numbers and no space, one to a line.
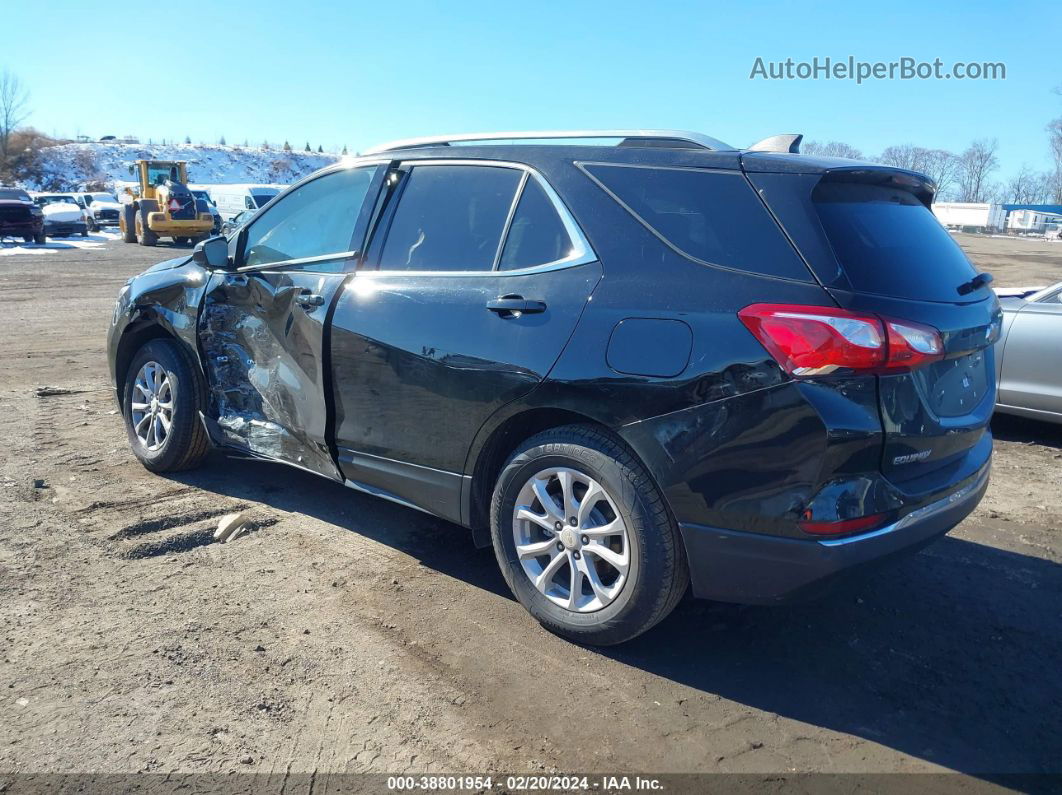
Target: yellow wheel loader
(162,206)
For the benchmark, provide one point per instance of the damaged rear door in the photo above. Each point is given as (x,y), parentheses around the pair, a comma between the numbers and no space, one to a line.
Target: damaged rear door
(264,323)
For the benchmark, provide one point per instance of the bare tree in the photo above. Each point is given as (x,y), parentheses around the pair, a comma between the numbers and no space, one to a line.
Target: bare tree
(13,109)
(978,163)
(1054,137)
(1027,187)
(831,149)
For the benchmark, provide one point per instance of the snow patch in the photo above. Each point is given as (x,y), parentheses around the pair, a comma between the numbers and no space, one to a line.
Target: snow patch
(95,240)
(72,166)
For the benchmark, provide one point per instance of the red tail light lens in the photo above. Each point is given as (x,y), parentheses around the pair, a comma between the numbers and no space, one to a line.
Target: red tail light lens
(810,341)
(843,527)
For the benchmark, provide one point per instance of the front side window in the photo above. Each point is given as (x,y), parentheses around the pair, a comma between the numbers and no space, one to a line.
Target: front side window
(450,218)
(536,235)
(314,220)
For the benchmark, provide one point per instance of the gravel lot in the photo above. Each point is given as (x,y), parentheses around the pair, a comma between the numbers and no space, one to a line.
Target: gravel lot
(349,634)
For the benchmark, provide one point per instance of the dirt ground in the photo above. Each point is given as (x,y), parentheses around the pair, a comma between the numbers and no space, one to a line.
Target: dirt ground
(348,634)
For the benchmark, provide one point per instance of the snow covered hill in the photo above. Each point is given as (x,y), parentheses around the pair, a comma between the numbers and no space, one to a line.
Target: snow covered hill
(75,166)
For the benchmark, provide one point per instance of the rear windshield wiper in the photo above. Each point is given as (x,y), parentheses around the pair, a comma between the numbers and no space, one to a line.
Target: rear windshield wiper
(976,283)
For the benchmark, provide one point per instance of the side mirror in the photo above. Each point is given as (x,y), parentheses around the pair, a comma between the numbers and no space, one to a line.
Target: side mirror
(212,253)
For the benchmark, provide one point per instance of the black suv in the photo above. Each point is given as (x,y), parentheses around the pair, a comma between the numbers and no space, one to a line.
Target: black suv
(631,368)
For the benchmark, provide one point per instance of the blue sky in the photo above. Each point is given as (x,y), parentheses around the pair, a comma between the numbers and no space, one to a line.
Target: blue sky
(358,73)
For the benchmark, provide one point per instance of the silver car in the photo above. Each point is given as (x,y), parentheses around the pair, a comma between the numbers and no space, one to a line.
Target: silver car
(1029,353)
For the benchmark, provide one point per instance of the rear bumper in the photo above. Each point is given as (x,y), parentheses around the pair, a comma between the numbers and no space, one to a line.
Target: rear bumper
(750,568)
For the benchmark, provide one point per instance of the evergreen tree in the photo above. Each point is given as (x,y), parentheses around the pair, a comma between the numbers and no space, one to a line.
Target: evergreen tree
(344,149)
(265,145)
(308,149)
(319,149)
(221,141)
(287,146)
(187,139)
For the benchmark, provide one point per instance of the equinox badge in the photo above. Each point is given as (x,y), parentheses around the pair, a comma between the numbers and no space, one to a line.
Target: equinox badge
(912,457)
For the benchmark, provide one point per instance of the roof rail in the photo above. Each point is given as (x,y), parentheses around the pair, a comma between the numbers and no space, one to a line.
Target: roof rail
(677,139)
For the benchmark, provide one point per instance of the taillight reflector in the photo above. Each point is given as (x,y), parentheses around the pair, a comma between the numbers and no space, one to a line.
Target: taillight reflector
(810,341)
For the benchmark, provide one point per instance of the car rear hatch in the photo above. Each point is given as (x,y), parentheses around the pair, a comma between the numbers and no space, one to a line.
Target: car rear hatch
(869,236)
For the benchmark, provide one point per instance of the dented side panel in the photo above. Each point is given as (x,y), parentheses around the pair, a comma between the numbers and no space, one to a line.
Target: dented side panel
(267,363)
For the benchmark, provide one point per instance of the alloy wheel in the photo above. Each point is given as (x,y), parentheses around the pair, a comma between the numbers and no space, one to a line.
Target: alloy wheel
(151,407)
(571,539)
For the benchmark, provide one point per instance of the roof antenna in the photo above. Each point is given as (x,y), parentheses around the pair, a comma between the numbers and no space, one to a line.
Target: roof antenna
(787,142)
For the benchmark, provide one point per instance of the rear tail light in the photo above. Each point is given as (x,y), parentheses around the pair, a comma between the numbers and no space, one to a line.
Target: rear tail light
(844,526)
(809,341)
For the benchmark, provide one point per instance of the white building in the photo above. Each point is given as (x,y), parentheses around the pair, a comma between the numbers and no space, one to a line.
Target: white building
(971,216)
(1034,221)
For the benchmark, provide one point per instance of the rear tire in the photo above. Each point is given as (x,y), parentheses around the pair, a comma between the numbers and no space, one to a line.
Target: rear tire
(27,238)
(40,239)
(84,232)
(184,443)
(181,241)
(625,588)
(127,223)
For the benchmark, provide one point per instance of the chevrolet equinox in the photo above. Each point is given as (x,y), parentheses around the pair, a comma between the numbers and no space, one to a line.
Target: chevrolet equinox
(637,364)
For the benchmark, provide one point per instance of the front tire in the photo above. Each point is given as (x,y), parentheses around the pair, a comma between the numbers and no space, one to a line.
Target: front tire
(162,400)
(127,223)
(584,539)
(144,236)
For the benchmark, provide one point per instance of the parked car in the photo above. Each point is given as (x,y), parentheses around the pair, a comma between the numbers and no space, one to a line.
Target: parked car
(231,200)
(20,217)
(101,209)
(1029,353)
(628,368)
(208,206)
(62,216)
(234,223)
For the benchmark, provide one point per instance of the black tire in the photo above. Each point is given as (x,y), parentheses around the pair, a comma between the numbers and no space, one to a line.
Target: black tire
(186,444)
(92,225)
(658,575)
(40,239)
(27,238)
(181,241)
(128,223)
(84,232)
(144,236)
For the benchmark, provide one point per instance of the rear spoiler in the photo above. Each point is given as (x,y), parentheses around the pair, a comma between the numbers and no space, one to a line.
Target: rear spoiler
(919,185)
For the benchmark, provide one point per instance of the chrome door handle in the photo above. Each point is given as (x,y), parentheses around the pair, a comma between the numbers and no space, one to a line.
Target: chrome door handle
(309,299)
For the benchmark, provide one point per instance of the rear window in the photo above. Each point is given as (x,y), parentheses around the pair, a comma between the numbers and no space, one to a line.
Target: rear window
(713,217)
(536,234)
(889,243)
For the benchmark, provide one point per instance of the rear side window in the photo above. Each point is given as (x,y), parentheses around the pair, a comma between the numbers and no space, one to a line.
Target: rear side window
(713,217)
(889,243)
(450,218)
(536,234)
